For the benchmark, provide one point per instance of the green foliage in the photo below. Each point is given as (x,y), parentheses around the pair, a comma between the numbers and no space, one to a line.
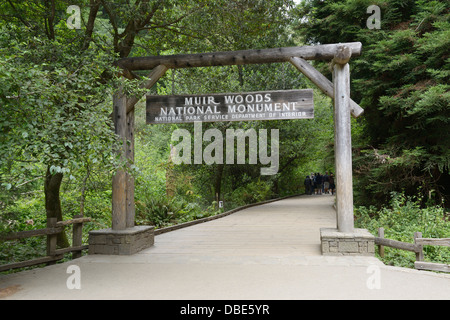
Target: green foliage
(161,211)
(56,86)
(253,192)
(400,220)
(52,110)
(26,215)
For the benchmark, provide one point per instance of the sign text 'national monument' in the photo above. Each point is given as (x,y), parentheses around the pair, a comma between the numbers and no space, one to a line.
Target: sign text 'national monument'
(267,105)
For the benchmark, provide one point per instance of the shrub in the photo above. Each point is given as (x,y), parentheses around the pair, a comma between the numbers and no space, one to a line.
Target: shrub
(400,220)
(252,192)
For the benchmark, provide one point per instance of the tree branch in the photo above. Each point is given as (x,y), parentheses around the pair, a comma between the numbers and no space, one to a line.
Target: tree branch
(95,5)
(49,20)
(168,24)
(133,26)
(114,25)
(19,16)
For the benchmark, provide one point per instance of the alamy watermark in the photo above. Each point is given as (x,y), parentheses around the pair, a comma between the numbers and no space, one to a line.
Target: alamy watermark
(74,21)
(374,21)
(74,280)
(222,149)
(374,280)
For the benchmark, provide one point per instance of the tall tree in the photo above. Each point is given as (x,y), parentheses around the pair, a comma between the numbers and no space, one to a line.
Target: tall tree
(56,81)
(402,81)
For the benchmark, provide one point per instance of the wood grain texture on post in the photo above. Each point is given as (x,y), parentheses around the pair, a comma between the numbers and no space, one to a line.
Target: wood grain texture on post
(119,181)
(130,211)
(343,148)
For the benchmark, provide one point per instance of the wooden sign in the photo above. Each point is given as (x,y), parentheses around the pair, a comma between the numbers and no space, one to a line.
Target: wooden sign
(266,105)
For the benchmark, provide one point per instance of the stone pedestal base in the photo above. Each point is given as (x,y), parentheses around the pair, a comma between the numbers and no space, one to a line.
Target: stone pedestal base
(121,242)
(358,243)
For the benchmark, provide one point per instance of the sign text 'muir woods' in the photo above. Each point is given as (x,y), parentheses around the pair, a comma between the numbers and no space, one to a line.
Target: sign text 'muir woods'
(267,105)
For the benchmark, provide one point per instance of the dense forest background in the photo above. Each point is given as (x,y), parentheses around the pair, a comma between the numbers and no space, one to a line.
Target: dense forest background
(57,146)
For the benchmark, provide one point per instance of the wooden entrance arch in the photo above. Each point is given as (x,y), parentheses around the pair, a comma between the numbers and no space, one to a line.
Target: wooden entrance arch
(123,208)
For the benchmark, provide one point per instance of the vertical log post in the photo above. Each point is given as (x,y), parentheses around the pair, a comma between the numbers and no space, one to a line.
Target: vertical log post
(123,206)
(119,181)
(381,247)
(343,143)
(77,237)
(419,249)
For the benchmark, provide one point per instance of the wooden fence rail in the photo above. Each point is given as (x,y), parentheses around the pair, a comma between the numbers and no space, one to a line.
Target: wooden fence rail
(53,229)
(416,247)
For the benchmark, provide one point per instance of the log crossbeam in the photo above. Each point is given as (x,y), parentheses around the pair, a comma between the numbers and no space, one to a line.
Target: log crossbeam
(336,53)
(241,57)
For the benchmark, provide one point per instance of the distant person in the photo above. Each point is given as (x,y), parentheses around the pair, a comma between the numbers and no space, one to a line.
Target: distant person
(308,185)
(313,182)
(319,183)
(332,185)
(326,182)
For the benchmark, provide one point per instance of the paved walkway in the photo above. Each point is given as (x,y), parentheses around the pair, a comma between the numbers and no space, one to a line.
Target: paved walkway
(270,252)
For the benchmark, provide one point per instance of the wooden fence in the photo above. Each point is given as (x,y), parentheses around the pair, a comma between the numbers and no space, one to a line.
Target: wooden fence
(416,247)
(52,231)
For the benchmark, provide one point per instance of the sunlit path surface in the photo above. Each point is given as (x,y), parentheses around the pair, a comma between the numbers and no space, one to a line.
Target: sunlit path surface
(271,233)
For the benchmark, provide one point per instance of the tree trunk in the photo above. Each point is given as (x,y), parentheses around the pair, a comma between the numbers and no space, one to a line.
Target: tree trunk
(52,187)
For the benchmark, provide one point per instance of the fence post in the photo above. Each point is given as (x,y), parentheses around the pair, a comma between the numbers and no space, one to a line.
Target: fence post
(51,240)
(77,237)
(380,247)
(419,248)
